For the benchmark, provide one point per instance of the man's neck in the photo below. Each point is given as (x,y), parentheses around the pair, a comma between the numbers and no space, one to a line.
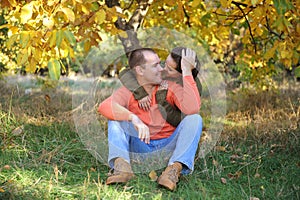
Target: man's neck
(149,87)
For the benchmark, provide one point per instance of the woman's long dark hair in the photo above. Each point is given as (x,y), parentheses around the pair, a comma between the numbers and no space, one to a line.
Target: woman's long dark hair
(176,54)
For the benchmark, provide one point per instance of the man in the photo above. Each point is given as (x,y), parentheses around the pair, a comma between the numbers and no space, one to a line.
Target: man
(134,130)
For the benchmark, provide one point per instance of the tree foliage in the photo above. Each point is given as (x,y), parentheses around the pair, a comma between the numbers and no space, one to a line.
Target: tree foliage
(257,37)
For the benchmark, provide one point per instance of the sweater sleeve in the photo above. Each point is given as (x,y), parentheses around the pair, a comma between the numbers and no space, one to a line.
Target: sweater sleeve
(185,97)
(115,106)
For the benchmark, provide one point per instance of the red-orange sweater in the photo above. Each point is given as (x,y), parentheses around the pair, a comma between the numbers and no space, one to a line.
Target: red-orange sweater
(122,103)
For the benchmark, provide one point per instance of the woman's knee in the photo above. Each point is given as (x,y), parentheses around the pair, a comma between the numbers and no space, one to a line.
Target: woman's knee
(195,118)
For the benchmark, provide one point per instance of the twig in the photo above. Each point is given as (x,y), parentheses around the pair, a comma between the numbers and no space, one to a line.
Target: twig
(245,16)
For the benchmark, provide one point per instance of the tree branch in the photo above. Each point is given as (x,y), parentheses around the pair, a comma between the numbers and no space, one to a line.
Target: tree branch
(245,16)
(271,31)
(187,16)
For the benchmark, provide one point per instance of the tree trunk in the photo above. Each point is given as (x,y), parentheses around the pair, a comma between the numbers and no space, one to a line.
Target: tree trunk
(131,42)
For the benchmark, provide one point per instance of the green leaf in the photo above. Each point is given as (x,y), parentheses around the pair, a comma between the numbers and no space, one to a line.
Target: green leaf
(235,31)
(70,37)
(59,37)
(54,69)
(297,72)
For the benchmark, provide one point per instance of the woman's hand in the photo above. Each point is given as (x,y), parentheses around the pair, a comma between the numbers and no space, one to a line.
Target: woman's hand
(145,103)
(188,61)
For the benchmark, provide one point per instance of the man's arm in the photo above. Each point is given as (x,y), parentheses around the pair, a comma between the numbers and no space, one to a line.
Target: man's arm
(115,108)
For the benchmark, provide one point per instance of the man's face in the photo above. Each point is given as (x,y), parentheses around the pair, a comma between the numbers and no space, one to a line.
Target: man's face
(170,68)
(152,68)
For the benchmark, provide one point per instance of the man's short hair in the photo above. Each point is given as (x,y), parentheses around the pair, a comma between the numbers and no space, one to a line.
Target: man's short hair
(136,57)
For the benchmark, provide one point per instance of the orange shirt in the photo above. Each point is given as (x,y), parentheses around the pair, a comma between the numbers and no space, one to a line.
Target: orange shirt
(185,97)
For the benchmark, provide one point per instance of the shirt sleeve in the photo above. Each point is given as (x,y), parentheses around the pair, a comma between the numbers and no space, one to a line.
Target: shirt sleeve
(115,106)
(185,97)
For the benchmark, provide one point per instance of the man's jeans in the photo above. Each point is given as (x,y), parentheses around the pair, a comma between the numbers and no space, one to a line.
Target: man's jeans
(181,146)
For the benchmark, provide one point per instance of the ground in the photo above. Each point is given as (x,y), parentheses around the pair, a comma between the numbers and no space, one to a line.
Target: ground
(44,154)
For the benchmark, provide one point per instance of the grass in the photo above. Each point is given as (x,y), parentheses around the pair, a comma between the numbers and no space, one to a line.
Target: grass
(257,156)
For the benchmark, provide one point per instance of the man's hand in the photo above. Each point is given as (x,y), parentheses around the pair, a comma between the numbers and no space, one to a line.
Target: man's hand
(188,61)
(141,128)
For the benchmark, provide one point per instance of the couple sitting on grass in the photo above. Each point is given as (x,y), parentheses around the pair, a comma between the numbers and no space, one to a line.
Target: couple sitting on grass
(150,113)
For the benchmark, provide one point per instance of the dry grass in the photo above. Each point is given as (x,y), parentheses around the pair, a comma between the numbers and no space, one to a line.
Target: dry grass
(260,115)
(263,115)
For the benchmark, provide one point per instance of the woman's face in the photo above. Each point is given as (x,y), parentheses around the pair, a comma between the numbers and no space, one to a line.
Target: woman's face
(170,68)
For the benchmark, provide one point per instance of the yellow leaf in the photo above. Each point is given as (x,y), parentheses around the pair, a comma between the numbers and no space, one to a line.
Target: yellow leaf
(37,54)
(52,2)
(69,14)
(195,3)
(48,22)
(84,9)
(13,3)
(87,45)
(64,49)
(1,190)
(153,175)
(225,3)
(10,42)
(24,38)
(269,54)
(31,66)
(52,39)
(26,13)
(286,54)
(22,57)
(5,26)
(100,16)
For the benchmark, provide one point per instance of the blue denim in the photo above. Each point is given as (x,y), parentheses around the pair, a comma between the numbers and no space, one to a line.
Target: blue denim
(181,146)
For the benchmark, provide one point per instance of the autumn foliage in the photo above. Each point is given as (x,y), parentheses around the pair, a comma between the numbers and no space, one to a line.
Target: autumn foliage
(258,38)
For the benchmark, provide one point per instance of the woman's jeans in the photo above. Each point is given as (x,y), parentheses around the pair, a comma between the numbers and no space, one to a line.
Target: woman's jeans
(181,146)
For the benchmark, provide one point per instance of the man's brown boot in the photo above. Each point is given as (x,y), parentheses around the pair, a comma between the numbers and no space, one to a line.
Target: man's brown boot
(170,176)
(122,172)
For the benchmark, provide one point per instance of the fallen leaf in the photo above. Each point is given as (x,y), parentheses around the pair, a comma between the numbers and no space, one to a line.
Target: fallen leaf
(221,148)
(236,175)
(153,175)
(6,167)
(235,157)
(17,131)
(223,180)
(92,169)
(1,190)
(215,163)
(254,198)
(47,98)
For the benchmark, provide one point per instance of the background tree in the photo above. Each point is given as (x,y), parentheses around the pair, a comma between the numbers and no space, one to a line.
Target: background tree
(254,38)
